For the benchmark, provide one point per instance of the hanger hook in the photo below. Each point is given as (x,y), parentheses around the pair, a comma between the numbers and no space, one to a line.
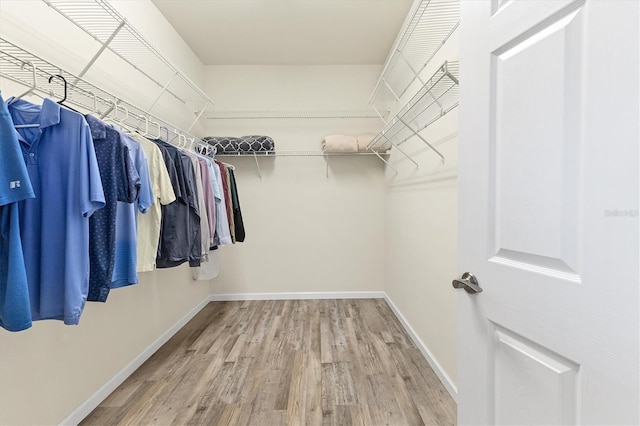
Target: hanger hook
(126,112)
(146,125)
(158,128)
(64,80)
(114,109)
(95,101)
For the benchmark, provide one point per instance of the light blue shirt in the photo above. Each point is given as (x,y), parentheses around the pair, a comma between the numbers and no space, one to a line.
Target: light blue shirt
(15,185)
(222,222)
(125,270)
(64,173)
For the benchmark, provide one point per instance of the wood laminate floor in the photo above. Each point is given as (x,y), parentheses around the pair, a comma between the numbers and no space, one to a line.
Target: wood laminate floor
(284,362)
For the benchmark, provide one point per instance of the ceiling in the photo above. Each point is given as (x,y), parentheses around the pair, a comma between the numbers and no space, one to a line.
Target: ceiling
(287,32)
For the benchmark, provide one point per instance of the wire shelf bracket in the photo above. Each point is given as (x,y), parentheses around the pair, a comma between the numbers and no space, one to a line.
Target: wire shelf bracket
(437,97)
(427,28)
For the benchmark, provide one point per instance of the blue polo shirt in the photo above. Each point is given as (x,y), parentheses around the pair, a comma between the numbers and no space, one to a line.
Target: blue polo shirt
(120,182)
(64,173)
(125,271)
(15,309)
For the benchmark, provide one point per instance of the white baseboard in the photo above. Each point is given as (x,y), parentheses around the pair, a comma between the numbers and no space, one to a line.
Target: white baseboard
(299,295)
(435,365)
(101,394)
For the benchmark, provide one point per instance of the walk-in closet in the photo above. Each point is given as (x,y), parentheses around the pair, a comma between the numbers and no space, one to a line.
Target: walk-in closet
(319,212)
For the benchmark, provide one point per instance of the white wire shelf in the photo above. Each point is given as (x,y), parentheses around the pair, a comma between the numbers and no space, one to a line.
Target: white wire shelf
(25,68)
(424,33)
(258,114)
(109,28)
(437,97)
(294,153)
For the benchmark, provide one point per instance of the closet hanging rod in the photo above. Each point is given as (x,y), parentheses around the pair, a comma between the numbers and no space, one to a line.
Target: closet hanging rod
(25,68)
(257,154)
(257,114)
(294,153)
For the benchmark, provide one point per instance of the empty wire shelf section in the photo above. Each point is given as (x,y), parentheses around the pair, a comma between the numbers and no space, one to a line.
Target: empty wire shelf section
(431,24)
(437,97)
(106,25)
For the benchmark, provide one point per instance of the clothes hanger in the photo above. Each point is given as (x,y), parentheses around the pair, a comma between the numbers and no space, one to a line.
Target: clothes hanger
(31,89)
(64,80)
(144,119)
(34,84)
(157,125)
(64,98)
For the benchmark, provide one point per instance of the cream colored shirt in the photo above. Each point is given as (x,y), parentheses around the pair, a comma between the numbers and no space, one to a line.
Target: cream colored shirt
(149,223)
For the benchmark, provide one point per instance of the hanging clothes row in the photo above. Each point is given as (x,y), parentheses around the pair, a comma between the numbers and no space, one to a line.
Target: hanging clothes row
(86,205)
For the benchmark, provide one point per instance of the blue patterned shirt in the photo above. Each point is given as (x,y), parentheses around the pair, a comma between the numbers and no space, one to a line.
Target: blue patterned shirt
(120,182)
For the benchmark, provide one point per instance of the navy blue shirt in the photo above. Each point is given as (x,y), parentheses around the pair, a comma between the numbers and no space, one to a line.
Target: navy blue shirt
(120,182)
(180,230)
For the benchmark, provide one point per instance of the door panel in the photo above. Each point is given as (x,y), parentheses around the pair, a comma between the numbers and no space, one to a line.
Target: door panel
(532,385)
(549,188)
(537,146)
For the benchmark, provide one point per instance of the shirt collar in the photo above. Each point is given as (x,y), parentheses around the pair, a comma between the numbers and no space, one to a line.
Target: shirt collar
(49,111)
(97,127)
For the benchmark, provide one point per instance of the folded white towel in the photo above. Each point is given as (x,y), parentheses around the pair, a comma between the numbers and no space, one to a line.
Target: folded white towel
(340,143)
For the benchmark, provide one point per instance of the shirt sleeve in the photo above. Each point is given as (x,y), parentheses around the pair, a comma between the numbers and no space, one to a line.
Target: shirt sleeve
(165,194)
(173,175)
(183,193)
(192,190)
(14,179)
(92,194)
(146,196)
(128,181)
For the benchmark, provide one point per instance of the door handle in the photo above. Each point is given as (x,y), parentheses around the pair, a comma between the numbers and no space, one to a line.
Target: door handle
(468,282)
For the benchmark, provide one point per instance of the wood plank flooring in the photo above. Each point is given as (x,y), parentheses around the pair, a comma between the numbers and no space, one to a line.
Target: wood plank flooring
(284,362)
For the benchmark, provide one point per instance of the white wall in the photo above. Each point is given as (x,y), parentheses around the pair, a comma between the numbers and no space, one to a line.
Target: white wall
(306,232)
(420,231)
(49,370)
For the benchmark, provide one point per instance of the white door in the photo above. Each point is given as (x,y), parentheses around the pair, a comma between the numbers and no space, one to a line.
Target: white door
(549,188)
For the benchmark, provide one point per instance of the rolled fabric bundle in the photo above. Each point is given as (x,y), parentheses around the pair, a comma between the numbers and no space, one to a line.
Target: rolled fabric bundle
(223,144)
(256,143)
(340,143)
(364,140)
